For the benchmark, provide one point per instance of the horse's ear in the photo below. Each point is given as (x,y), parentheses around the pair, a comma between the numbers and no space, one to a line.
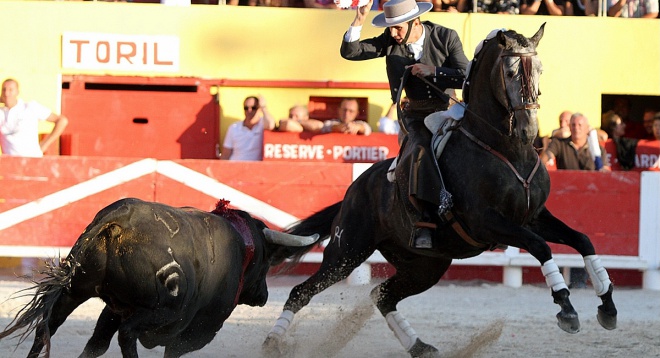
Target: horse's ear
(505,40)
(538,35)
(501,37)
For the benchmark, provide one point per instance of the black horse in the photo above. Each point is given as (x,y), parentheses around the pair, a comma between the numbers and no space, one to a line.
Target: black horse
(499,190)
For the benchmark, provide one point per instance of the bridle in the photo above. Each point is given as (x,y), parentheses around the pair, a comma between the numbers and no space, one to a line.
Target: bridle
(528,95)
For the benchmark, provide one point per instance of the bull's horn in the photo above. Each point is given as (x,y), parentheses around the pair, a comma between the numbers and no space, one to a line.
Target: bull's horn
(281,238)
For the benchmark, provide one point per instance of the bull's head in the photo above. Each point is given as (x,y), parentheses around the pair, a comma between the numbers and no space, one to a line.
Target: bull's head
(280,238)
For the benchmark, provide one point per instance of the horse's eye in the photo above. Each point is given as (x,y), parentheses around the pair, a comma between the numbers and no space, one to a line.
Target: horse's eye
(510,74)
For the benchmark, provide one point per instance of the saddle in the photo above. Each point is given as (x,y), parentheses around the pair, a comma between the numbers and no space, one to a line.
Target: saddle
(438,123)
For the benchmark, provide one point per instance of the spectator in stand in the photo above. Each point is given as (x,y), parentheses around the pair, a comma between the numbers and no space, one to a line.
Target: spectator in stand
(19,124)
(511,7)
(245,139)
(242,2)
(346,122)
(564,130)
(581,8)
(625,147)
(542,7)
(298,121)
(622,106)
(573,153)
(656,134)
(647,122)
(321,4)
(445,5)
(633,8)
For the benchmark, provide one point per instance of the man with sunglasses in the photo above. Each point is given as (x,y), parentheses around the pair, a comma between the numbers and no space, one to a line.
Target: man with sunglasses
(245,140)
(434,56)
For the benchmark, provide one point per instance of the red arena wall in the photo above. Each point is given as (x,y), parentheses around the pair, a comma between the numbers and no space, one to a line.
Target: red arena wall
(46,203)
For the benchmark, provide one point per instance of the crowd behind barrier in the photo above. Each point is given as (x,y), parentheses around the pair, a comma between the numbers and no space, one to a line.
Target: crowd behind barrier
(612,8)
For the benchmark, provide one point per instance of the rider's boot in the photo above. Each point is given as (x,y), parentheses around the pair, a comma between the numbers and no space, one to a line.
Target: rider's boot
(422,235)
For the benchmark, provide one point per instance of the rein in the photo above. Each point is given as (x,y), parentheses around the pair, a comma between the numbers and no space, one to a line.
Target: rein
(457,102)
(525,182)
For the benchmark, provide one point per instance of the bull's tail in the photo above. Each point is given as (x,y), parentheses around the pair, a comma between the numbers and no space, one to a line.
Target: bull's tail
(318,223)
(35,316)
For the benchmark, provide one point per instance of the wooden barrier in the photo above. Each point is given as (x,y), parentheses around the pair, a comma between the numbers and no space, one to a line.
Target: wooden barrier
(45,203)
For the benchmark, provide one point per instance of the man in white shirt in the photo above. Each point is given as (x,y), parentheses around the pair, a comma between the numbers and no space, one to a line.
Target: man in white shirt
(19,124)
(245,140)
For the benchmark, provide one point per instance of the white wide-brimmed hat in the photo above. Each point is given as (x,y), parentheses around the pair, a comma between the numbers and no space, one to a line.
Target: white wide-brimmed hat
(396,12)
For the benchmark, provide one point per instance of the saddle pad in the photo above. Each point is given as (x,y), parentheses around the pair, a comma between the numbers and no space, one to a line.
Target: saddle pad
(439,122)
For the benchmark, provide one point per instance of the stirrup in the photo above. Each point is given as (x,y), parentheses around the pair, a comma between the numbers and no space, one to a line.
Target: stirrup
(422,235)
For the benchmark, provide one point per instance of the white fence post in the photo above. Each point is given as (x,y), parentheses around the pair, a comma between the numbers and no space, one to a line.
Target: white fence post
(512,276)
(649,228)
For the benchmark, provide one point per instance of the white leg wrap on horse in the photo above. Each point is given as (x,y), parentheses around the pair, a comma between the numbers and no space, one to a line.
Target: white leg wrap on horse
(599,277)
(282,324)
(401,328)
(553,278)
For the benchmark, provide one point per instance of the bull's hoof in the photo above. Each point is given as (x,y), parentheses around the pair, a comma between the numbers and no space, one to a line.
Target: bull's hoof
(568,322)
(606,320)
(423,350)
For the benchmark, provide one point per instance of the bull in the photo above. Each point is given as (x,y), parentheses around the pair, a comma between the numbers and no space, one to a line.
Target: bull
(168,276)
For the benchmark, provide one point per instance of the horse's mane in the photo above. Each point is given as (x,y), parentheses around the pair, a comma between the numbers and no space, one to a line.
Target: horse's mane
(482,49)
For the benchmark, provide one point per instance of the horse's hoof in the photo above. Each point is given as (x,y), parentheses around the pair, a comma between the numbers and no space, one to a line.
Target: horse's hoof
(568,322)
(608,321)
(423,350)
(607,311)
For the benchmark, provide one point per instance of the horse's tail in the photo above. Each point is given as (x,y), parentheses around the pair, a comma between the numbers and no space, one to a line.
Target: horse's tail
(318,223)
(35,316)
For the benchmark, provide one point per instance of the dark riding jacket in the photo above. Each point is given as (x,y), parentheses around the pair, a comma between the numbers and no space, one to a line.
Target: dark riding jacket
(442,48)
